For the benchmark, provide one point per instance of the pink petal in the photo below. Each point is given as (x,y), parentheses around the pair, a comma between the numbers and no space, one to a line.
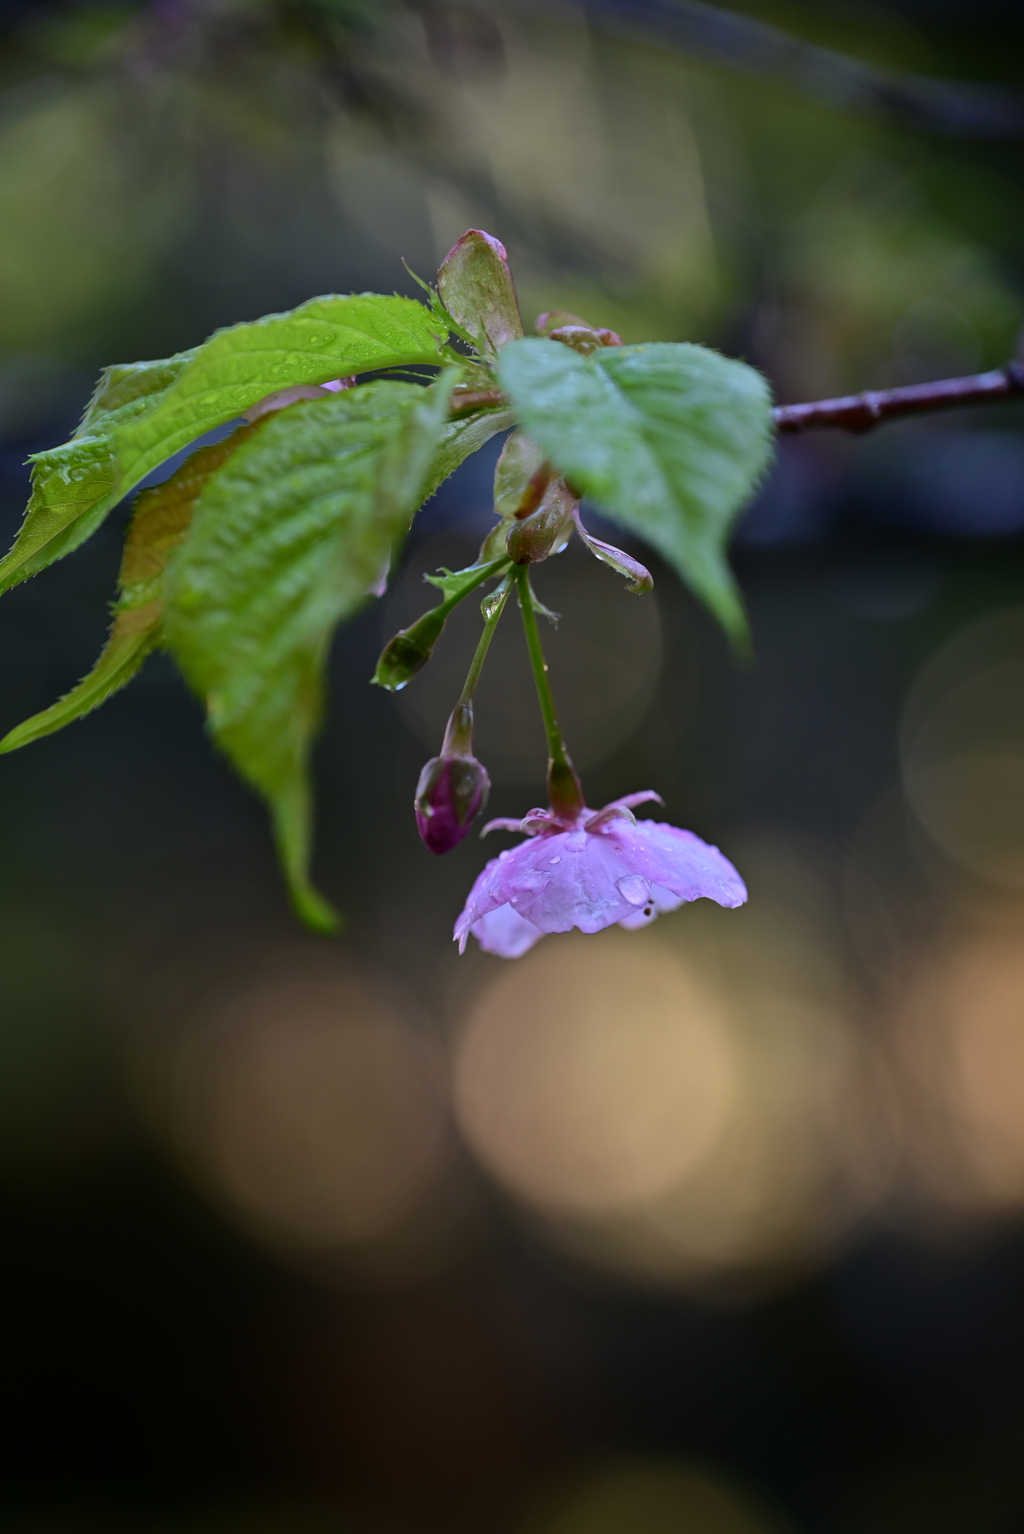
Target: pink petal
(505,933)
(622,871)
(658,901)
(482,898)
(678,861)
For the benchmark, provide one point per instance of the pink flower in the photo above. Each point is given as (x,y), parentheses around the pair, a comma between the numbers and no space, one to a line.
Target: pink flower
(604,867)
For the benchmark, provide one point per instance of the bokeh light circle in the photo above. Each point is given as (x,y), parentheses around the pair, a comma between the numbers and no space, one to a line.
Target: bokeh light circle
(591,1076)
(312,1107)
(649,1496)
(961,1042)
(962,748)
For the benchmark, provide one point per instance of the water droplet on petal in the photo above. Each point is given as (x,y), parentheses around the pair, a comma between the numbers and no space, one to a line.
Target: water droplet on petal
(634,888)
(530,881)
(554,860)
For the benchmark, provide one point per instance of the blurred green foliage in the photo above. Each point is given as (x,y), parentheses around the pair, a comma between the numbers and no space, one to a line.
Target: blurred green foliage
(177,162)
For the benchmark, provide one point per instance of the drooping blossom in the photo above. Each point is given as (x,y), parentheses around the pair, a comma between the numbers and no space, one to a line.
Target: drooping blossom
(604,867)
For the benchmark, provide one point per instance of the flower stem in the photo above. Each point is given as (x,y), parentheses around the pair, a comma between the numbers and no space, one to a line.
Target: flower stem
(564,788)
(458,737)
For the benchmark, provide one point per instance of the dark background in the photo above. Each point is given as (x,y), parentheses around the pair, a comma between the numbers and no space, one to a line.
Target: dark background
(258,1284)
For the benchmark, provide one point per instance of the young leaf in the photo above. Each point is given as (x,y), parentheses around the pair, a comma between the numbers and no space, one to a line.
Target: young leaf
(459,440)
(75,486)
(322,339)
(670,439)
(476,287)
(161,518)
(285,542)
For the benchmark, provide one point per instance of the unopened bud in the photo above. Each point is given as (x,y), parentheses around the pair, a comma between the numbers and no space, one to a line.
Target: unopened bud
(450,793)
(583,339)
(581,335)
(547,530)
(408,652)
(476,287)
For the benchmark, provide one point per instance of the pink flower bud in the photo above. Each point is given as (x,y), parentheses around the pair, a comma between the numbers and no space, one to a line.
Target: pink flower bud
(450,793)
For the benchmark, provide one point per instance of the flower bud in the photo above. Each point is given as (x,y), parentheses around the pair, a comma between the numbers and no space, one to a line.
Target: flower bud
(583,338)
(408,652)
(581,335)
(476,288)
(546,531)
(450,793)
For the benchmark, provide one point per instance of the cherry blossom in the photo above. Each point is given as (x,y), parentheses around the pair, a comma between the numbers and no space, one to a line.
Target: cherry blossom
(590,872)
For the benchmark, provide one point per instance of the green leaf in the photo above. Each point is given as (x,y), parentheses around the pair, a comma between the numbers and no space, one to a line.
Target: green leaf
(285,541)
(322,339)
(161,518)
(75,486)
(459,440)
(130,389)
(669,438)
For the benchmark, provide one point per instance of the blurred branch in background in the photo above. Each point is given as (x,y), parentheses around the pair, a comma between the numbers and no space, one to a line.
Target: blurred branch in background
(735,41)
(170,166)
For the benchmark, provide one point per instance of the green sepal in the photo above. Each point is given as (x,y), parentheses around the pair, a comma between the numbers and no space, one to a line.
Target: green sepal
(159,523)
(456,584)
(669,438)
(285,542)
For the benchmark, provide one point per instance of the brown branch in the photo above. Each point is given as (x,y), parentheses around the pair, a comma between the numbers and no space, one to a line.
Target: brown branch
(854,412)
(859,412)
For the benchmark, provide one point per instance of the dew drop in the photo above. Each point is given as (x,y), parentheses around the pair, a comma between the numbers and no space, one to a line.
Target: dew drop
(530,881)
(554,860)
(634,888)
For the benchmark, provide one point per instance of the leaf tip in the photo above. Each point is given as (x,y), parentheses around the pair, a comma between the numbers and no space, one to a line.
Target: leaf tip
(311,908)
